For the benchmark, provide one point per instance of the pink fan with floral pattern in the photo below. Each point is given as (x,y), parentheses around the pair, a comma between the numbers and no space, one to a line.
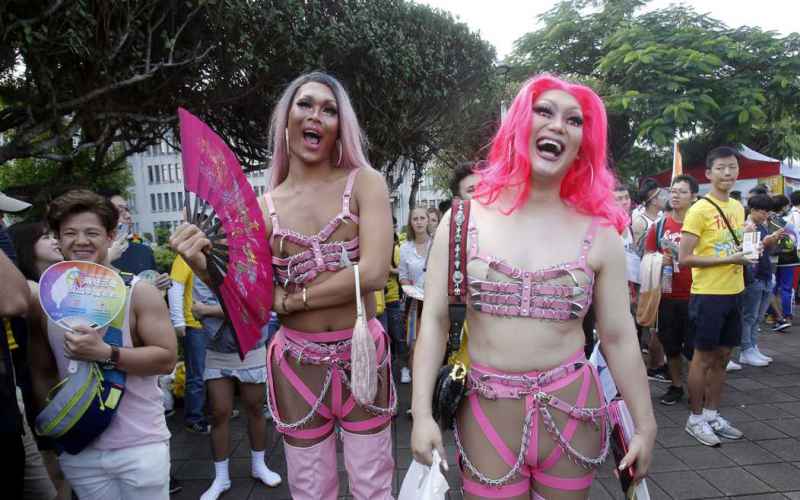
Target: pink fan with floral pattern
(226,209)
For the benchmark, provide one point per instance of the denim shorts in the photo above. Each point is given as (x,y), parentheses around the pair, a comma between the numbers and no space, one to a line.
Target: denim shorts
(243,375)
(715,321)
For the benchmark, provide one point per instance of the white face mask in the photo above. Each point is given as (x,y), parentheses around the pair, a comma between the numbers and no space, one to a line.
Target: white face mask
(9,220)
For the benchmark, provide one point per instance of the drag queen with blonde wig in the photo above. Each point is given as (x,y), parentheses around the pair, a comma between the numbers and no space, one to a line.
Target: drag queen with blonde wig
(327,210)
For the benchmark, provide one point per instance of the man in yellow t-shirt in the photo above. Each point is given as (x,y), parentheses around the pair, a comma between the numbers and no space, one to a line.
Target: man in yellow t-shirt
(194,339)
(713,252)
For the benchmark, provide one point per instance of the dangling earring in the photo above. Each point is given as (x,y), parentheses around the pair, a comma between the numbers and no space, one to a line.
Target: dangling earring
(286,135)
(591,173)
(511,150)
(339,145)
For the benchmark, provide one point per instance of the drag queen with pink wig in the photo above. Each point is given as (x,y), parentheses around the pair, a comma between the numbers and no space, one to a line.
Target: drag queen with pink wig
(327,210)
(543,244)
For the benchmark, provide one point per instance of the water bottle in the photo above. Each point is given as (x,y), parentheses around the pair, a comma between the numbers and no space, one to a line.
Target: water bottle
(666,279)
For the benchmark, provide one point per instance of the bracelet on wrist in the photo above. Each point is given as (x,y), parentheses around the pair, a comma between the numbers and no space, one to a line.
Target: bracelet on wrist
(305,299)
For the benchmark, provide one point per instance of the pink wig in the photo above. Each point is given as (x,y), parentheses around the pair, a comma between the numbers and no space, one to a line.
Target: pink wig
(351,136)
(588,184)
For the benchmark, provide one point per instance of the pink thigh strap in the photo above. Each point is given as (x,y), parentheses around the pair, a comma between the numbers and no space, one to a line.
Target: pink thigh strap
(489,431)
(507,491)
(564,483)
(572,423)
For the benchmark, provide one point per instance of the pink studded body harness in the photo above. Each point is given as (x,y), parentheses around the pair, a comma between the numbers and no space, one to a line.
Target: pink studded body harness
(533,295)
(331,349)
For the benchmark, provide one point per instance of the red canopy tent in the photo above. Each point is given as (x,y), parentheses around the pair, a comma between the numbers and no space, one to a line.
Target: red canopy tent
(752,165)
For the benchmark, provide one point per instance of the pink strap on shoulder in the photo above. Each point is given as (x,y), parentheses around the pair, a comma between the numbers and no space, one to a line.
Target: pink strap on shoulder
(348,191)
(273,214)
(591,232)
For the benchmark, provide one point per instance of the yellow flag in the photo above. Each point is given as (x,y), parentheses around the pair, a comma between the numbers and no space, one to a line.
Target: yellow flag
(677,161)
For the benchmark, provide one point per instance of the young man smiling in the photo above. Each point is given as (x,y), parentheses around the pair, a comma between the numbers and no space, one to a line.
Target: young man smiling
(709,246)
(130,459)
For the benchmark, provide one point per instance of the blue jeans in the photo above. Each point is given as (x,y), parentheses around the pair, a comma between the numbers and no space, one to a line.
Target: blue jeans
(395,325)
(194,355)
(783,288)
(754,305)
(272,327)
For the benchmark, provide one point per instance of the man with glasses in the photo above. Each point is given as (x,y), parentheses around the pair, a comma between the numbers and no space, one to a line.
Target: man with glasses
(673,310)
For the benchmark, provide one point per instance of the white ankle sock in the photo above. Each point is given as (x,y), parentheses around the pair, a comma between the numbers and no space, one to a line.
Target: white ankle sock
(710,415)
(260,471)
(695,419)
(222,481)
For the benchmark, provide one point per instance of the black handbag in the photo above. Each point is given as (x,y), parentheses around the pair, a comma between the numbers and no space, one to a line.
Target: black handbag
(748,271)
(451,384)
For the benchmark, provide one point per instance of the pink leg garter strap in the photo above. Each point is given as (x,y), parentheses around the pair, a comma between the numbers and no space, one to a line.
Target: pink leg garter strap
(536,389)
(331,349)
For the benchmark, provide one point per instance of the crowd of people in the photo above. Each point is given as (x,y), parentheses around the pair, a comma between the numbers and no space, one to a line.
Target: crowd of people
(534,420)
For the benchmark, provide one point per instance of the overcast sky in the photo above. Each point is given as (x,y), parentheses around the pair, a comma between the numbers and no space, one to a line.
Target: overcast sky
(501,22)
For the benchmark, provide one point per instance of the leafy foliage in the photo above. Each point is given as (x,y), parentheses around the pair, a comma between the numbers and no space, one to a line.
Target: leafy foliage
(41,180)
(81,75)
(673,72)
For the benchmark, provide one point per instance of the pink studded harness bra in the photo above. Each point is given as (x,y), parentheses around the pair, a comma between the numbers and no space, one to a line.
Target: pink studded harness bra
(320,254)
(533,294)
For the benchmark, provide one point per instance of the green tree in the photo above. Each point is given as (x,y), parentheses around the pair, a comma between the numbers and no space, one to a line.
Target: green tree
(423,85)
(39,180)
(673,72)
(82,75)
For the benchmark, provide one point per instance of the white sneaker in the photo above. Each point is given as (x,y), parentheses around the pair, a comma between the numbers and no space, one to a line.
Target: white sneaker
(750,357)
(733,366)
(405,375)
(762,355)
(724,428)
(702,432)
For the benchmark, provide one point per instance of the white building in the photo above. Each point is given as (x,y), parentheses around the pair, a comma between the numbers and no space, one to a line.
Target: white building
(156,197)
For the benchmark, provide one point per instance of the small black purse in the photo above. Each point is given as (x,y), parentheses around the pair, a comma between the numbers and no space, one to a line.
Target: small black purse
(451,384)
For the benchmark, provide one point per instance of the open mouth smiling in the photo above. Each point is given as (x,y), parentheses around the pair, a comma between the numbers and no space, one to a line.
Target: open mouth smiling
(549,149)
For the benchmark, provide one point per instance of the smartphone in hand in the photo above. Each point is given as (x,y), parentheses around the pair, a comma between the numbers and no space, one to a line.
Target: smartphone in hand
(619,448)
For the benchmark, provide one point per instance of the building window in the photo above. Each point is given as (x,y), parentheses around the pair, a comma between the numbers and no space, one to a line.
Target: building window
(180,200)
(174,198)
(179,172)
(158,174)
(150,174)
(160,202)
(152,202)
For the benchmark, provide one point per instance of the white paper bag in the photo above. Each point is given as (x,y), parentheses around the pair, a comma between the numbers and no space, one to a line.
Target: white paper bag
(423,482)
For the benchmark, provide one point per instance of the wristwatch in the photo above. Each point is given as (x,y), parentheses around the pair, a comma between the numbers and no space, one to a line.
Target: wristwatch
(111,363)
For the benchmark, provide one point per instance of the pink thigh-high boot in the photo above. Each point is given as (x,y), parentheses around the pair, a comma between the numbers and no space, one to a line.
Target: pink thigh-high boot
(369,463)
(312,470)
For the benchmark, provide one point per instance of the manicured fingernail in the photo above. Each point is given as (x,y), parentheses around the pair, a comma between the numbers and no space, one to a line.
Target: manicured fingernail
(623,466)
(446,467)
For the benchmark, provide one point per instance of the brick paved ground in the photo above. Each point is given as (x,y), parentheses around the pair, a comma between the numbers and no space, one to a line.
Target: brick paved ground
(763,402)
